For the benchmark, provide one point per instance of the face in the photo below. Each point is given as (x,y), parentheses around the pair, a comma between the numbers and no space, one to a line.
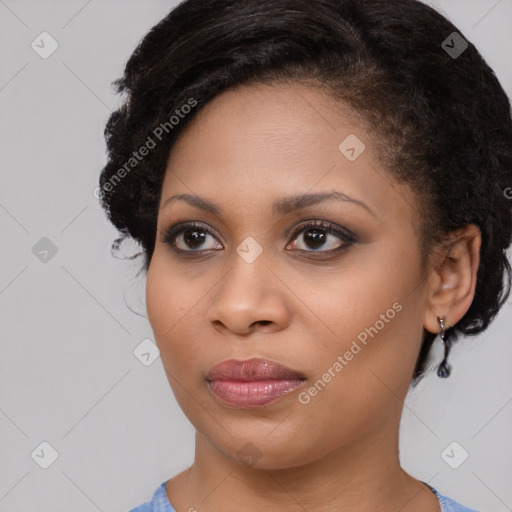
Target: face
(340,301)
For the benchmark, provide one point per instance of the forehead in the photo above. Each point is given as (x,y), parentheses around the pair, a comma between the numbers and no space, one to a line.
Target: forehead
(255,144)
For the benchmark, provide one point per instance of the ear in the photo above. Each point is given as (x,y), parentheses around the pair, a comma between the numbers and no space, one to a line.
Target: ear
(452,278)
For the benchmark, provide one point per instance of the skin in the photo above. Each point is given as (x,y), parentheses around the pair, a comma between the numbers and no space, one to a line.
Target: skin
(245,149)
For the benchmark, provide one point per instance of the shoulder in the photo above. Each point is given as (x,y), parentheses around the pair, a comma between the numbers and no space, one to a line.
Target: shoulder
(159,502)
(145,507)
(449,505)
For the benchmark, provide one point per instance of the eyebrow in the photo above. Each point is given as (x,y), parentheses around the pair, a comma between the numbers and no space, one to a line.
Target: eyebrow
(282,206)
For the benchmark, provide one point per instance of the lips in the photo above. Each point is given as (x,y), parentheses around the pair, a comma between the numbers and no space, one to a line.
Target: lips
(252,383)
(255,369)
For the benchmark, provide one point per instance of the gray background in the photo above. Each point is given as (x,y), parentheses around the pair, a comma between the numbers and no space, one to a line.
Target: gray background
(68,373)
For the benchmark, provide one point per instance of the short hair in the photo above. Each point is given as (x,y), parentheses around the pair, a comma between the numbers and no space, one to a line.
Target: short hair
(436,111)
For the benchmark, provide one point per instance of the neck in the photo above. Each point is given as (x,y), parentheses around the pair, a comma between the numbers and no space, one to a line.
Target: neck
(361,476)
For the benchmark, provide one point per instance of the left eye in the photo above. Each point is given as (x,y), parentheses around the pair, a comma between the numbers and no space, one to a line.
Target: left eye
(192,237)
(316,234)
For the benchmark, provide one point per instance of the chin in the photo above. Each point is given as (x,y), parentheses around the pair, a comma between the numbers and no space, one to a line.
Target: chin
(260,452)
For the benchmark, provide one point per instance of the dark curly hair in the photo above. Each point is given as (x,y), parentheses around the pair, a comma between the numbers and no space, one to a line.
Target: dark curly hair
(442,121)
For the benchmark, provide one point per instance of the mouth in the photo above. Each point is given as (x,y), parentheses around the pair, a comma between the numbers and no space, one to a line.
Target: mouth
(252,383)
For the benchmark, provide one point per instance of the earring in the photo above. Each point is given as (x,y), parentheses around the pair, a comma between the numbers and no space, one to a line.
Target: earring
(443,370)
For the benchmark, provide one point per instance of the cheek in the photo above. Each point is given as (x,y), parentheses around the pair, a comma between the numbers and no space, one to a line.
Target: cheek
(170,309)
(355,387)
(168,293)
(166,302)
(173,303)
(374,314)
(158,296)
(366,298)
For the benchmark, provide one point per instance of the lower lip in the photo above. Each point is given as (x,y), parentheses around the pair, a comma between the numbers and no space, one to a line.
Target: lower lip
(247,395)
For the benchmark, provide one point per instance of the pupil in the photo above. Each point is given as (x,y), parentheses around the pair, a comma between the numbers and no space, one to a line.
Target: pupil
(316,237)
(195,238)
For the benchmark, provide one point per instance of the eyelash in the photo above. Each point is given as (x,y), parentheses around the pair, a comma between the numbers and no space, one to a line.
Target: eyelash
(346,236)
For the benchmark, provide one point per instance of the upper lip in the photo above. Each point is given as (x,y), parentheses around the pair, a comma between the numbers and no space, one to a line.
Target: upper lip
(251,370)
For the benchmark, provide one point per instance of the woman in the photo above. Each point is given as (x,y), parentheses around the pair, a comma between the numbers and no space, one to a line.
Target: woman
(319,190)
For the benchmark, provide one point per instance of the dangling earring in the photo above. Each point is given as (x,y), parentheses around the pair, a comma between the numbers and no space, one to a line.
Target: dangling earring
(443,370)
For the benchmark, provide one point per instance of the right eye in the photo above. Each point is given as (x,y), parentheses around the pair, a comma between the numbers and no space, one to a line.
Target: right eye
(189,237)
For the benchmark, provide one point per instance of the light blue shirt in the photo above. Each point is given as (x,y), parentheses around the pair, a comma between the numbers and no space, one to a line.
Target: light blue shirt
(160,502)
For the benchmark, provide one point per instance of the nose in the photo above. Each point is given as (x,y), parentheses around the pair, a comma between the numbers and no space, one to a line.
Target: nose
(249,298)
